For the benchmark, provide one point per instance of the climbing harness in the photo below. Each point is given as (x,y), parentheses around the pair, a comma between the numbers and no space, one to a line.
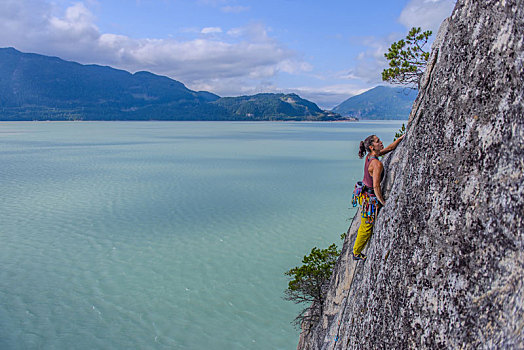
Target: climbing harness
(365,197)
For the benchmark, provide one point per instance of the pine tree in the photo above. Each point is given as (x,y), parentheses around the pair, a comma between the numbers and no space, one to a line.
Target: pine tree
(310,281)
(407,59)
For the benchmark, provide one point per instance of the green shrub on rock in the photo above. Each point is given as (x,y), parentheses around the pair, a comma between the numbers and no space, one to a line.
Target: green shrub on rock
(309,281)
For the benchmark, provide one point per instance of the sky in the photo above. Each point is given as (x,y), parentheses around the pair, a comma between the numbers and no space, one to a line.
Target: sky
(323,50)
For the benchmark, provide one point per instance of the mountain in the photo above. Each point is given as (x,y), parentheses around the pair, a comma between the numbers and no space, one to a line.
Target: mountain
(381,102)
(40,87)
(37,87)
(274,107)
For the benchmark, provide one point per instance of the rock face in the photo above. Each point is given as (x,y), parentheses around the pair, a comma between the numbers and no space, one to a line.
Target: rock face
(445,264)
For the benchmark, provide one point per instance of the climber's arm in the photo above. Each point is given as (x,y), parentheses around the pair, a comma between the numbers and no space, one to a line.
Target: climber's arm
(390,147)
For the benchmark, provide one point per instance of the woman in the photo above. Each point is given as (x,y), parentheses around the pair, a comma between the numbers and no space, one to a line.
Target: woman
(373,174)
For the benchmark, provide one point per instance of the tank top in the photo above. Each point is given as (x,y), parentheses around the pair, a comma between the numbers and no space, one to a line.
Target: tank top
(368,179)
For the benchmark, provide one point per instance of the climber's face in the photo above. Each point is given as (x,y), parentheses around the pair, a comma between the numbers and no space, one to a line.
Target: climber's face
(377,145)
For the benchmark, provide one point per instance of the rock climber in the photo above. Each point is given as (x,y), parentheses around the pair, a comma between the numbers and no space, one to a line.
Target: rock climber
(373,175)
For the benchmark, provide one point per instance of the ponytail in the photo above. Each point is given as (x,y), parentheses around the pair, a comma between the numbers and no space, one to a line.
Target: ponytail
(364,146)
(361,150)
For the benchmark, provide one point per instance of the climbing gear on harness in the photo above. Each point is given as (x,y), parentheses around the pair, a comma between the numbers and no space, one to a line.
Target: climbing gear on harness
(357,192)
(359,256)
(365,197)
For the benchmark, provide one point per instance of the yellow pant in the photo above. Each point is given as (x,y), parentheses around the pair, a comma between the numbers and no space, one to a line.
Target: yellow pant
(364,232)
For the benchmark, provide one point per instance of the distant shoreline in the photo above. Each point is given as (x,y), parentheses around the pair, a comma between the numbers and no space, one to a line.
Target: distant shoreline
(205,121)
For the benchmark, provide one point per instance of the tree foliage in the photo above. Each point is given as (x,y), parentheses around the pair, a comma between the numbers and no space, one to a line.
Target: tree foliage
(407,59)
(400,132)
(309,281)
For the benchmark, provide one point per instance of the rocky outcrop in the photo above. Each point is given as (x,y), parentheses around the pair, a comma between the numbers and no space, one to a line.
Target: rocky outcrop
(445,264)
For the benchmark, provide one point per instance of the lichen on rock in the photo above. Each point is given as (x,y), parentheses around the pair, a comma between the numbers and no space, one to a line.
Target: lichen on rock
(445,265)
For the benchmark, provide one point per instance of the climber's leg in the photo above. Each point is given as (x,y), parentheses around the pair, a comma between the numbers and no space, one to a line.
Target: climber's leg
(364,232)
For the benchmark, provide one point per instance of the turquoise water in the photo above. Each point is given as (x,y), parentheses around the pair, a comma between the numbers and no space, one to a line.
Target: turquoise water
(175,235)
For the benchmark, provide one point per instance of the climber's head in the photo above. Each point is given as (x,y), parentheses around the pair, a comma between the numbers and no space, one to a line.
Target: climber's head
(377,145)
(370,144)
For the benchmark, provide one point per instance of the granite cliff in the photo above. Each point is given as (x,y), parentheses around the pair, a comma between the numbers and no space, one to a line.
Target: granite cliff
(445,264)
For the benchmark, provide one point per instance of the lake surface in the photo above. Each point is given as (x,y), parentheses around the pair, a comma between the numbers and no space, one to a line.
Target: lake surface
(166,235)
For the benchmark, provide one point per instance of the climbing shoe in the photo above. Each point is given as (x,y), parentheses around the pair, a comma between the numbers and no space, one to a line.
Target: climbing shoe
(359,257)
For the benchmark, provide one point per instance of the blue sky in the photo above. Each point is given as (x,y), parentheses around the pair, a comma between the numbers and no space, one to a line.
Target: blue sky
(325,51)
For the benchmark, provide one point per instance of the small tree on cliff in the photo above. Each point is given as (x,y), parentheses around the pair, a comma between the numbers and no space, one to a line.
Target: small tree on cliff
(309,281)
(400,132)
(407,59)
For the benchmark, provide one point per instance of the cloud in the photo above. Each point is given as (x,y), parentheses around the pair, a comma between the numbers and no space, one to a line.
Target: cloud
(76,25)
(427,14)
(255,32)
(213,3)
(234,9)
(328,97)
(211,30)
(370,62)
(247,55)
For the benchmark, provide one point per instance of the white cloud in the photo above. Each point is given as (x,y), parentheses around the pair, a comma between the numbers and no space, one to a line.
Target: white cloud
(254,32)
(235,32)
(370,63)
(76,25)
(234,9)
(328,97)
(427,14)
(214,3)
(247,56)
(294,66)
(211,30)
